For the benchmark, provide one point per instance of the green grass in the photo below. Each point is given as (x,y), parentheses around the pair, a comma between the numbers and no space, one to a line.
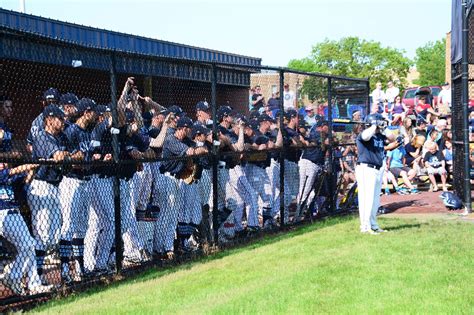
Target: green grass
(418,267)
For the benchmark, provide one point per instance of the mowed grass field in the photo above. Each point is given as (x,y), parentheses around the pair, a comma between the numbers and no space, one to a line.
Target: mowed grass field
(418,267)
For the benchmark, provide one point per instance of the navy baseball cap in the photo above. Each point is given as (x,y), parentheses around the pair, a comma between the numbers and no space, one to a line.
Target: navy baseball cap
(290,114)
(203,106)
(200,130)
(53,111)
(85,104)
(185,122)
(176,110)
(254,124)
(68,99)
(102,109)
(303,124)
(51,94)
(321,123)
(254,115)
(265,117)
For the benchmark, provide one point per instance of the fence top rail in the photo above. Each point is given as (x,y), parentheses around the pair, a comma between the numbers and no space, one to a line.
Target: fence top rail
(6,31)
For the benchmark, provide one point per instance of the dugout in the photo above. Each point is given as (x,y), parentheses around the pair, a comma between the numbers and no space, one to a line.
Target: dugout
(37,53)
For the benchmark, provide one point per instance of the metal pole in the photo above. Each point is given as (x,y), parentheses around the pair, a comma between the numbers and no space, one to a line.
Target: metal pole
(22,6)
(281,157)
(465,107)
(116,157)
(330,168)
(215,156)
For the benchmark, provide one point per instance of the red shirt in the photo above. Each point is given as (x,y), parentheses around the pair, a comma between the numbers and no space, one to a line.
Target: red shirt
(422,107)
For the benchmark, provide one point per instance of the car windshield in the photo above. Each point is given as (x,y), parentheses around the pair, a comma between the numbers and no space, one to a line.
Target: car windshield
(410,93)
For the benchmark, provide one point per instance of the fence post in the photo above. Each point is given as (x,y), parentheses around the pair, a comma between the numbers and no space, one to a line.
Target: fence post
(215,155)
(465,106)
(330,168)
(281,156)
(116,157)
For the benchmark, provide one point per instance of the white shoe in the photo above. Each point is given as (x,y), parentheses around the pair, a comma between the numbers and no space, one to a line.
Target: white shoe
(77,272)
(38,289)
(370,232)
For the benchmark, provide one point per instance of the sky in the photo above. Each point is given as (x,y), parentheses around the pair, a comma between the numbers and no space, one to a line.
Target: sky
(274,30)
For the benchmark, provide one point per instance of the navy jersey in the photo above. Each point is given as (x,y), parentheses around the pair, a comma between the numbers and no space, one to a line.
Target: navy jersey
(258,158)
(314,152)
(79,140)
(372,151)
(231,160)
(101,143)
(6,142)
(7,194)
(45,145)
(137,141)
(290,153)
(36,126)
(172,147)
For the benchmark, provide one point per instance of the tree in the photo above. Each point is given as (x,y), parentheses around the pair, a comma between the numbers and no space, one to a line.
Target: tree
(352,57)
(430,62)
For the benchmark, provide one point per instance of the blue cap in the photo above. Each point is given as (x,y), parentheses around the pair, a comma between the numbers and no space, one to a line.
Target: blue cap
(224,111)
(321,123)
(185,122)
(254,115)
(176,110)
(85,104)
(53,111)
(68,99)
(51,94)
(200,130)
(265,117)
(203,106)
(101,109)
(290,114)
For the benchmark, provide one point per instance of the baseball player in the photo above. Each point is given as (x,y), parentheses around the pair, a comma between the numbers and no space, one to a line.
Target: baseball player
(43,193)
(13,228)
(371,146)
(291,139)
(174,169)
(50,97)
(311,165)
(75,191)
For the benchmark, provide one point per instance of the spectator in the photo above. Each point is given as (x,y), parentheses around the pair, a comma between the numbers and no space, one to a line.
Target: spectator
(391,93)
(348,162)
(310,117)
(273,104)
(448,155)
(399,111)
(388,176)
(444,100)
(435,164)
(431,139)
(440,127)
(396,160)
(421,128)
(414,153)
(289,98)
(407,130)
(251,93)
(425,110)
(258,100)
(387,110)
(356,116)
(378,96)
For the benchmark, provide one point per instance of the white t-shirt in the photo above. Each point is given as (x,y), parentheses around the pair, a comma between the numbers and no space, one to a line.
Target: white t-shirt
(289,100)
(391,93)
(378,96)
(444,97)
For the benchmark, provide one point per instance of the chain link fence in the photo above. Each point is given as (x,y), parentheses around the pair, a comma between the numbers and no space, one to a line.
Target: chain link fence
(121,162)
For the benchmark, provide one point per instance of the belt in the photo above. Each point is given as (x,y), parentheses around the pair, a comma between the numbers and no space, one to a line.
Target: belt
(370,165)
(79,176)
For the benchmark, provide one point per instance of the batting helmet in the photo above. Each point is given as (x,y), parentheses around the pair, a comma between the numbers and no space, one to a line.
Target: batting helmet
(451,201)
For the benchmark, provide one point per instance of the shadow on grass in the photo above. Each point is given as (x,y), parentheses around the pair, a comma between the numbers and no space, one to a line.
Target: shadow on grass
(406,226)
(155,271)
